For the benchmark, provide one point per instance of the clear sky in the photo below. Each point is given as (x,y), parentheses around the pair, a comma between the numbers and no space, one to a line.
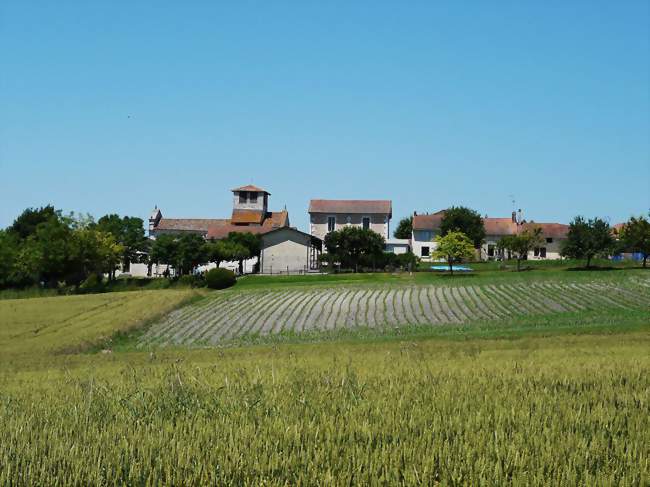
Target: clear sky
(118,106)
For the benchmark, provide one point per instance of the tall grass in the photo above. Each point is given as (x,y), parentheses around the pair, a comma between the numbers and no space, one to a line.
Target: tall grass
(532,412)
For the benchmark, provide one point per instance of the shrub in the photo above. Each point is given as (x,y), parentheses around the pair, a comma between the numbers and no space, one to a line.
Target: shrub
(191,281)
(220,278)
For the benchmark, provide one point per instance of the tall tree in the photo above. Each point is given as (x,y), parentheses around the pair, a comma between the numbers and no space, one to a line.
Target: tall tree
(636,236)
(404,228)
(128,231)
(588,239)
(25,225)
(466,221)
(453,247)
(252,243)
(9,246)
(352,245)
(190,253)
(520,245)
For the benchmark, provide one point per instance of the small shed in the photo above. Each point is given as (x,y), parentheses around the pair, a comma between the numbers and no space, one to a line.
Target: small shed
(287,250)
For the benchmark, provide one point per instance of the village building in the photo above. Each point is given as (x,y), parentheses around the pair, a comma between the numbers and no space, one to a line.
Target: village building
(326,216)
(249,214)
(287,250)
(426,227)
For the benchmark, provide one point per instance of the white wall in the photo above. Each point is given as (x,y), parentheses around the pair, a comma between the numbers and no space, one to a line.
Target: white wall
(285,251)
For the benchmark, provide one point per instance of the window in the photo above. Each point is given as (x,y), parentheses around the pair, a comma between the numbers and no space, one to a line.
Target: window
(425,252)
(536,252)
(243,196)
(542,252)
(365,222)
(490,250)
(252,198)
(331,223)
(549,240)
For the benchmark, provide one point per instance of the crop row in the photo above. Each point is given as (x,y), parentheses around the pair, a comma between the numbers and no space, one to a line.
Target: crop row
(232,315)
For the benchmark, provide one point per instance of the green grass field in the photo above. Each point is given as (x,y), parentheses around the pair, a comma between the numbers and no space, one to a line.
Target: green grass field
(559,398)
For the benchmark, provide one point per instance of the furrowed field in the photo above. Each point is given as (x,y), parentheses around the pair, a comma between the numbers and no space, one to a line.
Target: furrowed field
(454,382)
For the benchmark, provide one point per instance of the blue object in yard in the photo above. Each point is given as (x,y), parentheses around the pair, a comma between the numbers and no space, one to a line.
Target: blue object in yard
(459,268)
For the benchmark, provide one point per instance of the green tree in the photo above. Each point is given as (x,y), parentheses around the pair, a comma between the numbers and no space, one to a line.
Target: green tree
(252,243)
(466,221)
(587,239)
(521,244)
(9,246)
(352,245)
(190,253)
(635,236)
(128,231)
(163,250)
(404,228)
(25,225)
(453,247)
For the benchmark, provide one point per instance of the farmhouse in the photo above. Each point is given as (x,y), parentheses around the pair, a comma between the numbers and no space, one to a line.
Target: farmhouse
(326,216)
(426,227)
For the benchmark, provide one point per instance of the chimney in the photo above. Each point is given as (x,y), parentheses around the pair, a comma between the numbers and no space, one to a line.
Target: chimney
(514,217)
(520,216)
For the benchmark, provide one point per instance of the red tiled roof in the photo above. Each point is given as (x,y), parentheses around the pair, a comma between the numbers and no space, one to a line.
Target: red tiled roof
(272,221)
(247,216)
(351,206)
(250,187)
(499,226)
(189,224)
(428,222)
(556,230)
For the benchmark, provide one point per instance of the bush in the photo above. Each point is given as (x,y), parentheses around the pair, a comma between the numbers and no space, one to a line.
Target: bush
(191,281)
(220,278)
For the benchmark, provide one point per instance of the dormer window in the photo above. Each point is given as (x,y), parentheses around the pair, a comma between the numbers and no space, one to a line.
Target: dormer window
(243,195)
(252,198)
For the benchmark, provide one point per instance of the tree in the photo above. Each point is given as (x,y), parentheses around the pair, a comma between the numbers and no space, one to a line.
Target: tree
(587,239)
(252,243)
(635,236)
(453,247)
(9,245)
(521,244)
(404,228)
(466,221)
(128,231)
(25,225)
(351,245)
(219,251)
(190,253)
(163,250)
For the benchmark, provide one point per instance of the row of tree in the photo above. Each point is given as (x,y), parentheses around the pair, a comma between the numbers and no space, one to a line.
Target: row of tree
(45,247)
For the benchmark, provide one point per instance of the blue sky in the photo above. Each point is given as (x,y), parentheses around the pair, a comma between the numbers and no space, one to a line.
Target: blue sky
(117,106)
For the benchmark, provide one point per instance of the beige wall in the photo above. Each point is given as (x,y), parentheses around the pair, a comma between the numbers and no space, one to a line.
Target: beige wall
(552,248)
(378,223)
(285,250)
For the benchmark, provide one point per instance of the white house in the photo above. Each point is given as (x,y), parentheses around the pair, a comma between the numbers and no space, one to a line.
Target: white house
(426,227)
